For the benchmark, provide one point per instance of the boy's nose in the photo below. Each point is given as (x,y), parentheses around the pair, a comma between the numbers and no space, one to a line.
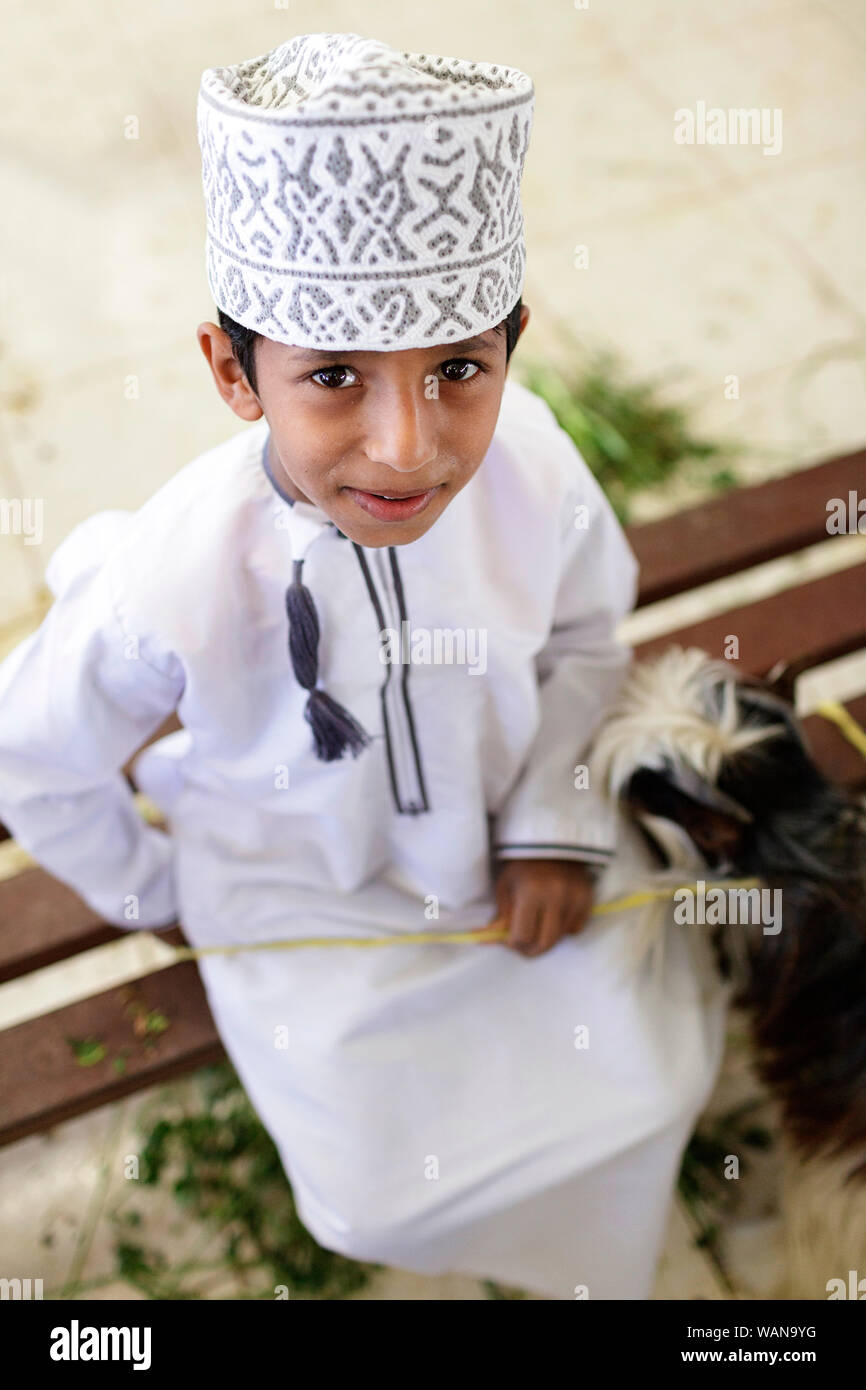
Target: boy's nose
(400,431)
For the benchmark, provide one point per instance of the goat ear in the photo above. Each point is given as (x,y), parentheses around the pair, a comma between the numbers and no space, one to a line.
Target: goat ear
(781,679)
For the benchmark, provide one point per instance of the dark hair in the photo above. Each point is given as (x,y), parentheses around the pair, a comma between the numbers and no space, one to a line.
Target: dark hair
(243,340)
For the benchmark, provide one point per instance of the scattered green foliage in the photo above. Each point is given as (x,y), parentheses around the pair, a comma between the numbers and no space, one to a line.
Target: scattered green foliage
(146,1024)
(224,1170)
(494,1290)
(627,435)
(87,1051)
(118,1063)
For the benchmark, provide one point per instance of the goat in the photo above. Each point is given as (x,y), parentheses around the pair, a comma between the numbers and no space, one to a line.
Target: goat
(713,766)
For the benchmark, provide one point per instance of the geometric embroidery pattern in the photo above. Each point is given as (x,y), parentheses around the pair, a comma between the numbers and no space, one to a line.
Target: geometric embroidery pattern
(360,197)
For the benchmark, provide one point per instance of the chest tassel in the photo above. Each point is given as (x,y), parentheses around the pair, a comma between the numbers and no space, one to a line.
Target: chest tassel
(335,730)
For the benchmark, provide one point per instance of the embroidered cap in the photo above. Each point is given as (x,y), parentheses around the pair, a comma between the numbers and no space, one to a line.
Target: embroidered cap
(360,197)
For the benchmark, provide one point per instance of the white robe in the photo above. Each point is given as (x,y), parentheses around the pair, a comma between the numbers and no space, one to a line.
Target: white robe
(436,1108)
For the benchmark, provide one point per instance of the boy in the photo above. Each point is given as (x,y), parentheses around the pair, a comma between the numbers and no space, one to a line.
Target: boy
(446,575)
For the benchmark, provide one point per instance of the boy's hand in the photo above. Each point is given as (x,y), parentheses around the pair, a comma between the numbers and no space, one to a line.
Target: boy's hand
(541,900)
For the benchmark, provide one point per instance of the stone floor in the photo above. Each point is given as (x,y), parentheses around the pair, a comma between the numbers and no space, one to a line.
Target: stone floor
(705,264)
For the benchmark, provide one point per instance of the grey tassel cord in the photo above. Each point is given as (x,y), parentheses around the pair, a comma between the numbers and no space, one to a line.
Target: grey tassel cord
(334,729)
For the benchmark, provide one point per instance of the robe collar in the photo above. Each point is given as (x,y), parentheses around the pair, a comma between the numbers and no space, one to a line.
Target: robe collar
(306,521)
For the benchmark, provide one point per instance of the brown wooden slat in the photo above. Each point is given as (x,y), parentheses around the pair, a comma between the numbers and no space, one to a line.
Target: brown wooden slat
(744,527)
(42,921)
(815,622)
(41,1081)
(822,619)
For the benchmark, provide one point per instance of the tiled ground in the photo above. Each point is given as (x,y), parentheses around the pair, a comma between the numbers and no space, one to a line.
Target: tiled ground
(704,263)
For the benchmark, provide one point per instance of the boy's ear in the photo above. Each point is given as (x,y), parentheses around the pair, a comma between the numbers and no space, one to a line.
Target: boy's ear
(524,320)
(227,372)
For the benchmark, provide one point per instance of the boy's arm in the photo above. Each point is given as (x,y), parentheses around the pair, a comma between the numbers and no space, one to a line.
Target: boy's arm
(581,669)
(77,698)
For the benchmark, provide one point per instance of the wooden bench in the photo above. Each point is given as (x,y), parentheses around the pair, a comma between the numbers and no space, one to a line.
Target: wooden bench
(42,921)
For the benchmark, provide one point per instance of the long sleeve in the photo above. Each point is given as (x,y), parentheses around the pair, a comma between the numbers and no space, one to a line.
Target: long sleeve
(77,698)
(549,813)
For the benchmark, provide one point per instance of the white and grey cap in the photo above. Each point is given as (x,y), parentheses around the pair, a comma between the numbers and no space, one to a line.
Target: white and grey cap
(364,198)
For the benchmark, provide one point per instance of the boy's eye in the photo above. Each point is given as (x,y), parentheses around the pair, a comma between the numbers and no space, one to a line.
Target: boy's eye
(332,372)
(461,363)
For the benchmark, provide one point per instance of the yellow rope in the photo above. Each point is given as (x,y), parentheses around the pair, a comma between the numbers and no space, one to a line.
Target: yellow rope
(477,935)
(13,859)
(832,709)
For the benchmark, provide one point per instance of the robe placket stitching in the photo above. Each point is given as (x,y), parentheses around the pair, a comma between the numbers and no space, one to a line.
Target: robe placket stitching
(400,739)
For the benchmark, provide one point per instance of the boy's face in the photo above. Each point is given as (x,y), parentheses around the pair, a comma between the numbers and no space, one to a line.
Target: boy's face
(414,424)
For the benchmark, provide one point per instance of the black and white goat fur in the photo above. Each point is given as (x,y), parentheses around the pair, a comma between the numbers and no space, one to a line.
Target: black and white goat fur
(714,768)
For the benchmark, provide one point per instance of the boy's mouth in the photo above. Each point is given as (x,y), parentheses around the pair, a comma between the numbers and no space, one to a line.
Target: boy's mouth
(393,507)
